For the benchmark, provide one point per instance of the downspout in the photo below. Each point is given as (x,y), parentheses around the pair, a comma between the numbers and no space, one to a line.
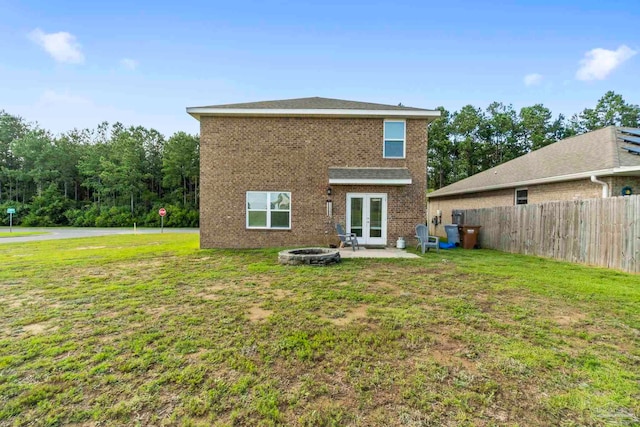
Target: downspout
(605,186)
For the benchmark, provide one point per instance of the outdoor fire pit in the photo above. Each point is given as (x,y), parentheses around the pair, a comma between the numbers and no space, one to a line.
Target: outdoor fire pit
(309,256)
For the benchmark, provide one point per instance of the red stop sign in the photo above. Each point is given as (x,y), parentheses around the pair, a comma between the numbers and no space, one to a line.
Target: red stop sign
(162,211)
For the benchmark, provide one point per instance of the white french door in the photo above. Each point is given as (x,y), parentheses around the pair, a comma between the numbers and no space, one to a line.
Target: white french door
(367,217)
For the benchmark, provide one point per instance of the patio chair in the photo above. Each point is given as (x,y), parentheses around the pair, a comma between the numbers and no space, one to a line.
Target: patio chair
(347,238)
(424,240)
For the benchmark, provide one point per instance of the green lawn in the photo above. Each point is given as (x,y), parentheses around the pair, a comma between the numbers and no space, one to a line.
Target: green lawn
(20,233)
(149,330)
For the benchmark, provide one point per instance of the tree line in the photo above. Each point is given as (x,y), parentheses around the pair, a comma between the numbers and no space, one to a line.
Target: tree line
(110,176)
(117,176)
(465,142)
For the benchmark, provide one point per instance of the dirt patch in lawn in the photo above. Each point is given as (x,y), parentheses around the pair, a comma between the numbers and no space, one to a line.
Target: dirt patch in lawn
(359,312)
(449,352)
(280,294)
(569,317)
(258,314)
(39,328)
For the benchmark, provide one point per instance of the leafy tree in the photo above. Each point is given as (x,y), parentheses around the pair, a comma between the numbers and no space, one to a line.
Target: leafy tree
(537,129)
(468,132)
(11,129)
(181,165)
(439,155)
(34,152)
(503,130)
(610,110)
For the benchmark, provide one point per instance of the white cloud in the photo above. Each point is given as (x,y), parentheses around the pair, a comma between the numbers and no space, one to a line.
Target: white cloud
(532,79)
(129,64)
(62,46)
(598,63)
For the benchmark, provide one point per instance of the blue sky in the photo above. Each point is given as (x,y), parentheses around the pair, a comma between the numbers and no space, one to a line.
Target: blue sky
(73,64)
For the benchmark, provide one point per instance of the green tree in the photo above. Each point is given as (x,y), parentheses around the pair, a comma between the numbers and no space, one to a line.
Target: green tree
(34,152)
(12,128)
(610,110)
(123,171)
(503,130)
(181,165)
(439,157)
(537,129)
(468,127)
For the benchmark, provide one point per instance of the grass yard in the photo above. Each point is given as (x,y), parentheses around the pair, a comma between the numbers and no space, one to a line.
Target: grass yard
(8,234)
(149,330)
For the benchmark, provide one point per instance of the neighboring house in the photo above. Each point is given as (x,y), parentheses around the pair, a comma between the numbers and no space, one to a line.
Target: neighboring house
(282,173)
(602,163)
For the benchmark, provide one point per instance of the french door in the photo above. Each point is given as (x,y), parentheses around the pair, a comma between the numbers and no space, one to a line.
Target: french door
(367,217)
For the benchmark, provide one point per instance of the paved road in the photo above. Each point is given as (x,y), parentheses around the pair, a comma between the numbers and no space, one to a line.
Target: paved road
(71,232)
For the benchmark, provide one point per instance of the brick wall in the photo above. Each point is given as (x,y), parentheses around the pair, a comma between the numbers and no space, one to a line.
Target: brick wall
(240,154)
(567,190)
(619,182)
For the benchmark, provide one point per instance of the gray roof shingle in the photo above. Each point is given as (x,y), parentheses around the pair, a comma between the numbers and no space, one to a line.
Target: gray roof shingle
(314,103)
(598,150)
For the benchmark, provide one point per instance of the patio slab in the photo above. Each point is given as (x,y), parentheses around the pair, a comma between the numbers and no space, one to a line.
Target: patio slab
(376,253)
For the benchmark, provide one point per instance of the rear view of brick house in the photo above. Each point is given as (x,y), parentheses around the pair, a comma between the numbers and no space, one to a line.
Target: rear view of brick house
(282,173)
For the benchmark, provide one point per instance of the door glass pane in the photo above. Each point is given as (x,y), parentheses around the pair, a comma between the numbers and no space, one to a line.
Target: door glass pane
(356,215)
(375,217)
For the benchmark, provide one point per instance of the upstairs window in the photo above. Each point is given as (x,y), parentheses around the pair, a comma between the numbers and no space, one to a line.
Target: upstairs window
(394,139)
(269,209)
(522,196)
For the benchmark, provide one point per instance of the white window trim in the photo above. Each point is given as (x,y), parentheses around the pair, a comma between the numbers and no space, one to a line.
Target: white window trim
(515,196)
(247,210)
(404,138)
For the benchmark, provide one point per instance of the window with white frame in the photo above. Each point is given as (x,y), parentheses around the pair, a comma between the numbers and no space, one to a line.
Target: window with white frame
(394,139)
(522,196)
(269,209)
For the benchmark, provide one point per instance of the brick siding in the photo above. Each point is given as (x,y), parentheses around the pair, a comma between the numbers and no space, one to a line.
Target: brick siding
(240,154)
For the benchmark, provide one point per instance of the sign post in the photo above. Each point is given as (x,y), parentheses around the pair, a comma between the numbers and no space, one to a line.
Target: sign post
(11,211)
(162,212)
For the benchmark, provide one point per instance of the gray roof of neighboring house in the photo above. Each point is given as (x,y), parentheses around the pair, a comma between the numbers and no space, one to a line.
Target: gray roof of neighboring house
(314,103)
(600,151)
(369,173)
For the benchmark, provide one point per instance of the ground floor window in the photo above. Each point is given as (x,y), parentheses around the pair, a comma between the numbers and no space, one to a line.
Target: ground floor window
(522,196)
(269,209)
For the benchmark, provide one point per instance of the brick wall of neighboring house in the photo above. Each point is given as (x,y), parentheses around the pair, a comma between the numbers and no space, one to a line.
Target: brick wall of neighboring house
(240,154)
(619,182)
(567,190)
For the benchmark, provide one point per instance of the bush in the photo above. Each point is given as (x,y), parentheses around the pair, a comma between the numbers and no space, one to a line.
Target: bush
(21,212)
(47,209)
(52,209)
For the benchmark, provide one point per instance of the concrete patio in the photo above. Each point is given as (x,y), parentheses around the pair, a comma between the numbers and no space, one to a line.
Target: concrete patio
(376,253)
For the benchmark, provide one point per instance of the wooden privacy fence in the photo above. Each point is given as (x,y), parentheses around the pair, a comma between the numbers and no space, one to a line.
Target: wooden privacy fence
(603,232)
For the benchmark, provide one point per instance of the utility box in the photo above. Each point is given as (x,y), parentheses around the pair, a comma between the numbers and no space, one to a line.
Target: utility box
(453,235)
(457,216)
(470,236)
